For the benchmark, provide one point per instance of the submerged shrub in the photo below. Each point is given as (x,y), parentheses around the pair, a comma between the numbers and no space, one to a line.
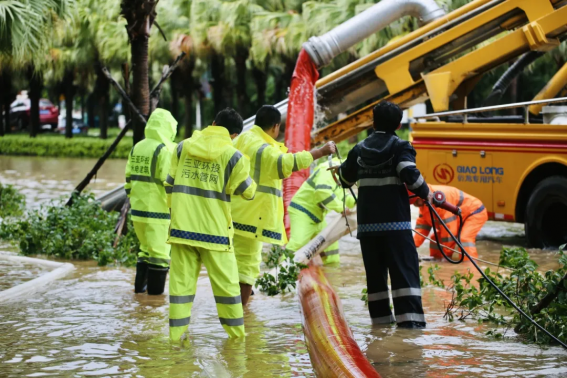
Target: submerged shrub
(525,286)
(12,202)
(81,231)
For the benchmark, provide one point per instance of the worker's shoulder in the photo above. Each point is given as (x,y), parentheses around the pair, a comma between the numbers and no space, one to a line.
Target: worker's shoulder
(402,145)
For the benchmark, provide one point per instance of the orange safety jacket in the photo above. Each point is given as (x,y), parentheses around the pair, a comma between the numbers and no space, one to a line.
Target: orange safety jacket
(472,211)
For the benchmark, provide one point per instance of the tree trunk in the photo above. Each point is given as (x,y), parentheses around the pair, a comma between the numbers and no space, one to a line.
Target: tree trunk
(91,110)
(69,97)
(140,84)
(218,82)
(188,98)
(260,79)
(36,85)
(186,75)
(242,96)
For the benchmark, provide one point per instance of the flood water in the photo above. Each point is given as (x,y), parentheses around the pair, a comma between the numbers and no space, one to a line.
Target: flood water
(90,323)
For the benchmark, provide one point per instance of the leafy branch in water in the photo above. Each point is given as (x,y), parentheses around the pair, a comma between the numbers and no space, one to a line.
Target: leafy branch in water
(81,231)
(287,272)
(526,286)
(12,202)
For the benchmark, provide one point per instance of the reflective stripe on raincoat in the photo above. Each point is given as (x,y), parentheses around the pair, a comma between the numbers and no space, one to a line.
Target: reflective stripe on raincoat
(262,218)
(147,168)
(320,192)
(205,172)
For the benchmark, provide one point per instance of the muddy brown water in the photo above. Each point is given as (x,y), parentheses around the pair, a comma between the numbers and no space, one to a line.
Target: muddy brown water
(92,324)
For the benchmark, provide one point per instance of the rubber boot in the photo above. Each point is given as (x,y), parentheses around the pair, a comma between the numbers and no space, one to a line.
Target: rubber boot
(156,279)
(141,282)
(411,325)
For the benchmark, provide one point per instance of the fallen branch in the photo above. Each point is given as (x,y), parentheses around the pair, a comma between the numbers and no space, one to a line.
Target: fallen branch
(83,184)
(167,72)
(124,95)
(121,227)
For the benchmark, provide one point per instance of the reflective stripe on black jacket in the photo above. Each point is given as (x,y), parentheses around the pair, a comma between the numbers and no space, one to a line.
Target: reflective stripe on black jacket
(382,164)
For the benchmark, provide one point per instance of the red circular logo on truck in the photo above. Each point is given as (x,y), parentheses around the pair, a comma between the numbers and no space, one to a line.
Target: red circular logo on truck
(443,173)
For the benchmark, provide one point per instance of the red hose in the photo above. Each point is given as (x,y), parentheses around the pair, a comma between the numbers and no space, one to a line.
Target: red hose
(299,122)
(332,348)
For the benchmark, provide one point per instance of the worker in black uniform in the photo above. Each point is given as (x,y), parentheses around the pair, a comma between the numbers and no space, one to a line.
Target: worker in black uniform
(382,164)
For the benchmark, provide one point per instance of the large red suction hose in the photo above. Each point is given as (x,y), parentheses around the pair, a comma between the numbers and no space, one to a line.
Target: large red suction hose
(300,113)
(332,348)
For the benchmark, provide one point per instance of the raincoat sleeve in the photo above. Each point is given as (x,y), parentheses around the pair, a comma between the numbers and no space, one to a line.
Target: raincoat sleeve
(423,226)
(163,164)
(170,177)
(408,172)
(348,172)
(282,165)
(128,186)
(240,183)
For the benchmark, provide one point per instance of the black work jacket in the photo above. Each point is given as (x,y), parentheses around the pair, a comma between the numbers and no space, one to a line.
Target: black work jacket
(382,164)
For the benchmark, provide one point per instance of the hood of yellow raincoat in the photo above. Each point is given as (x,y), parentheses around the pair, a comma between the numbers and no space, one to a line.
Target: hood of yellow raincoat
(208,144)
(161,126)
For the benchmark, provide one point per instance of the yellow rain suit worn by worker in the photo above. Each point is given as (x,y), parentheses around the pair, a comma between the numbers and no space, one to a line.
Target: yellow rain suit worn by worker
(147,168)
(261,220)
(309,207)
(206,172)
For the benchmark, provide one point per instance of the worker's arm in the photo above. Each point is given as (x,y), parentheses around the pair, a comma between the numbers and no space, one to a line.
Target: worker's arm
(423,226)
(408,172)
(163,163)
(348,171)
(128,185)
(240,183)
(170,177)
(277,165)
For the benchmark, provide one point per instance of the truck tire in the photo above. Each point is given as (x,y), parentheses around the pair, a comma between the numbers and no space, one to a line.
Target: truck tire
(546,213)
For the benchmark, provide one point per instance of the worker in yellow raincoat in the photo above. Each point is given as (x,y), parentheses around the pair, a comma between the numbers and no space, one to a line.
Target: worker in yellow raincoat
(261,220)
(309,206)
(147,168)
(206,173)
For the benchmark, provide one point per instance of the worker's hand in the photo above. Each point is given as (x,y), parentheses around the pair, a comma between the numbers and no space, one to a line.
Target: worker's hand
(430,197)
(328,149)
(347,212)
(455,256)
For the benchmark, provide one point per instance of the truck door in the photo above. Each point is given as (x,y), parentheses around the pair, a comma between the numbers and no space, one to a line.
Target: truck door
(470,171)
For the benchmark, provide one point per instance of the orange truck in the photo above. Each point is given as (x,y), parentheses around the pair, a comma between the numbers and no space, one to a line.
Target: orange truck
(519,171)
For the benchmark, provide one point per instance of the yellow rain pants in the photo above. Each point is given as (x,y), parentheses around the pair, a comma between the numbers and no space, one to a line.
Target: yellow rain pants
(223,273)
(303,229)
(248,253)
(153,247)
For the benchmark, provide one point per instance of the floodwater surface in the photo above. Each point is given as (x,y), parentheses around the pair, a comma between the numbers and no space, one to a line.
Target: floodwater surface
(90,323)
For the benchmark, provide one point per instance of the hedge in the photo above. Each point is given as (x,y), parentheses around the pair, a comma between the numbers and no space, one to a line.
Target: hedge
(58,146)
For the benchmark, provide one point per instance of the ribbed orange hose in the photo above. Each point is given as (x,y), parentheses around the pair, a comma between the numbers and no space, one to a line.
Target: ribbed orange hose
(332,348)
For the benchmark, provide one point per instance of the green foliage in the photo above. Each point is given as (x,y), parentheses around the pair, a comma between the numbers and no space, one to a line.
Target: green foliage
(432,280)
(81,231)
(364,296)
(12,202)
(287,272)
(58,146)
(525,285)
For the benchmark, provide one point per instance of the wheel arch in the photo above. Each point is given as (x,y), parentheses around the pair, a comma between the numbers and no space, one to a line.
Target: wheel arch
(538,171)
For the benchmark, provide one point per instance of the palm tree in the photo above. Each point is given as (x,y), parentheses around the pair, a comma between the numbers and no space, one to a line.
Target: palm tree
(140,16)
(25,33)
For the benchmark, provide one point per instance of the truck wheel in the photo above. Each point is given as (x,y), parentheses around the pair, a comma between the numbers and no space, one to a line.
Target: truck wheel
(546,213)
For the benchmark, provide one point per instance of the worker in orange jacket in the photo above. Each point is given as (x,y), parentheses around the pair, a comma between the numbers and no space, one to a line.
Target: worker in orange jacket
(474,217)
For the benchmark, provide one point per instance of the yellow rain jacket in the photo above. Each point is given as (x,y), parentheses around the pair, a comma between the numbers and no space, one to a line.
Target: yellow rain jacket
(262,218)
(205,172)
(320,192)
(147,168)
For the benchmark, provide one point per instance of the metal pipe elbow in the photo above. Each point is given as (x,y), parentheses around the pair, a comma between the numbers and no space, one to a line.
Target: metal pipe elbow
(324,48)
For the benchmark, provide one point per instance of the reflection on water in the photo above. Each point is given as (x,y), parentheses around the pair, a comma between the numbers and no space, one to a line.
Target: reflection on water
(92,324)
(41,179)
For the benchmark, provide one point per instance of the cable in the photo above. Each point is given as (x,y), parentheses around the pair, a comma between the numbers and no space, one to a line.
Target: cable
(459,252)
(465,253)
(344,193)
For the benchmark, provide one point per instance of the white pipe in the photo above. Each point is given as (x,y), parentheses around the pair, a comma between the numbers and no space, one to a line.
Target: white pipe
(324,48)
(29,287)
